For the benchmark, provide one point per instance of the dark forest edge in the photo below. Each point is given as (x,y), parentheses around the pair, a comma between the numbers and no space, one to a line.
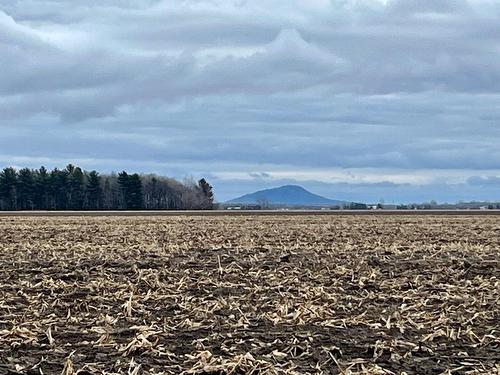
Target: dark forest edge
(72,188)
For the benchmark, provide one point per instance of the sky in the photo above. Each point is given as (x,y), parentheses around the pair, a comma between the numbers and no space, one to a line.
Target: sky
(367,100)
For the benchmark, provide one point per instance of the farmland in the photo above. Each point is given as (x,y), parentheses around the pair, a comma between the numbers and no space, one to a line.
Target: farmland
(268,294)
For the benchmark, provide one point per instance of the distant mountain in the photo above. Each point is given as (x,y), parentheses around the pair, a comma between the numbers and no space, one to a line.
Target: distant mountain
(288,195)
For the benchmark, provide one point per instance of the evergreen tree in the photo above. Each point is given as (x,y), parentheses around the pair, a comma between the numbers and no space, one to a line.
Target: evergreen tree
(76,187)
(135,199)
(41,191)
(123,183)
(25,190)
(59,189)
(70,168)
(94,191)
(8,182)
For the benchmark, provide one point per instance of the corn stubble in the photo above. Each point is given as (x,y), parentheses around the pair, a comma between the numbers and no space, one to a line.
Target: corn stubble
(250,295)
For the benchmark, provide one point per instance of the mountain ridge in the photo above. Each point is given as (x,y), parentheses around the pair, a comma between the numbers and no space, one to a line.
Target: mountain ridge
(286,195)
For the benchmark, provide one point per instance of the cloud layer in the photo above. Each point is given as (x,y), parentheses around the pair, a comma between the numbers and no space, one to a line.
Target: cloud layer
(400,92)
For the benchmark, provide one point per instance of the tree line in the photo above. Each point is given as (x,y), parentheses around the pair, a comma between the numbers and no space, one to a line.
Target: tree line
(72,188)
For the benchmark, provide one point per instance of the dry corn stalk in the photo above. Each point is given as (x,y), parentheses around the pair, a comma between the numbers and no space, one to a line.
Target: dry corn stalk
(268,295)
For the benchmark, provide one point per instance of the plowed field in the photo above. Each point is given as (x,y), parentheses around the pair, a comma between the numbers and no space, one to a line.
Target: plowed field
(250,295)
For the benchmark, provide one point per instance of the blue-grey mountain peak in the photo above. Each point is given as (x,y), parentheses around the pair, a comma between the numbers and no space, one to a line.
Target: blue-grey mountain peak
(288,195)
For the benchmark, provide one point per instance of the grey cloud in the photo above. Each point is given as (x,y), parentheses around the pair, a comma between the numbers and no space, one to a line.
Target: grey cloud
(428,6)
(259,175)
(236,84)
(484,181)
(357,59)
(14,35)
(208,130)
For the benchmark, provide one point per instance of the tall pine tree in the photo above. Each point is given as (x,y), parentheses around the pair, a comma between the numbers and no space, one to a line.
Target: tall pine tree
(94,191)
(8,193)
(76,187)
(59,189)
(135,199)
(26,189)
(41,191)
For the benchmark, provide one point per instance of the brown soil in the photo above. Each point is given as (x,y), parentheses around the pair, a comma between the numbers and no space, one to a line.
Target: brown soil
(243,295)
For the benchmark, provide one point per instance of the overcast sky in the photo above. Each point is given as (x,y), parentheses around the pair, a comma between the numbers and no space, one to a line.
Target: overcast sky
(354,99)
